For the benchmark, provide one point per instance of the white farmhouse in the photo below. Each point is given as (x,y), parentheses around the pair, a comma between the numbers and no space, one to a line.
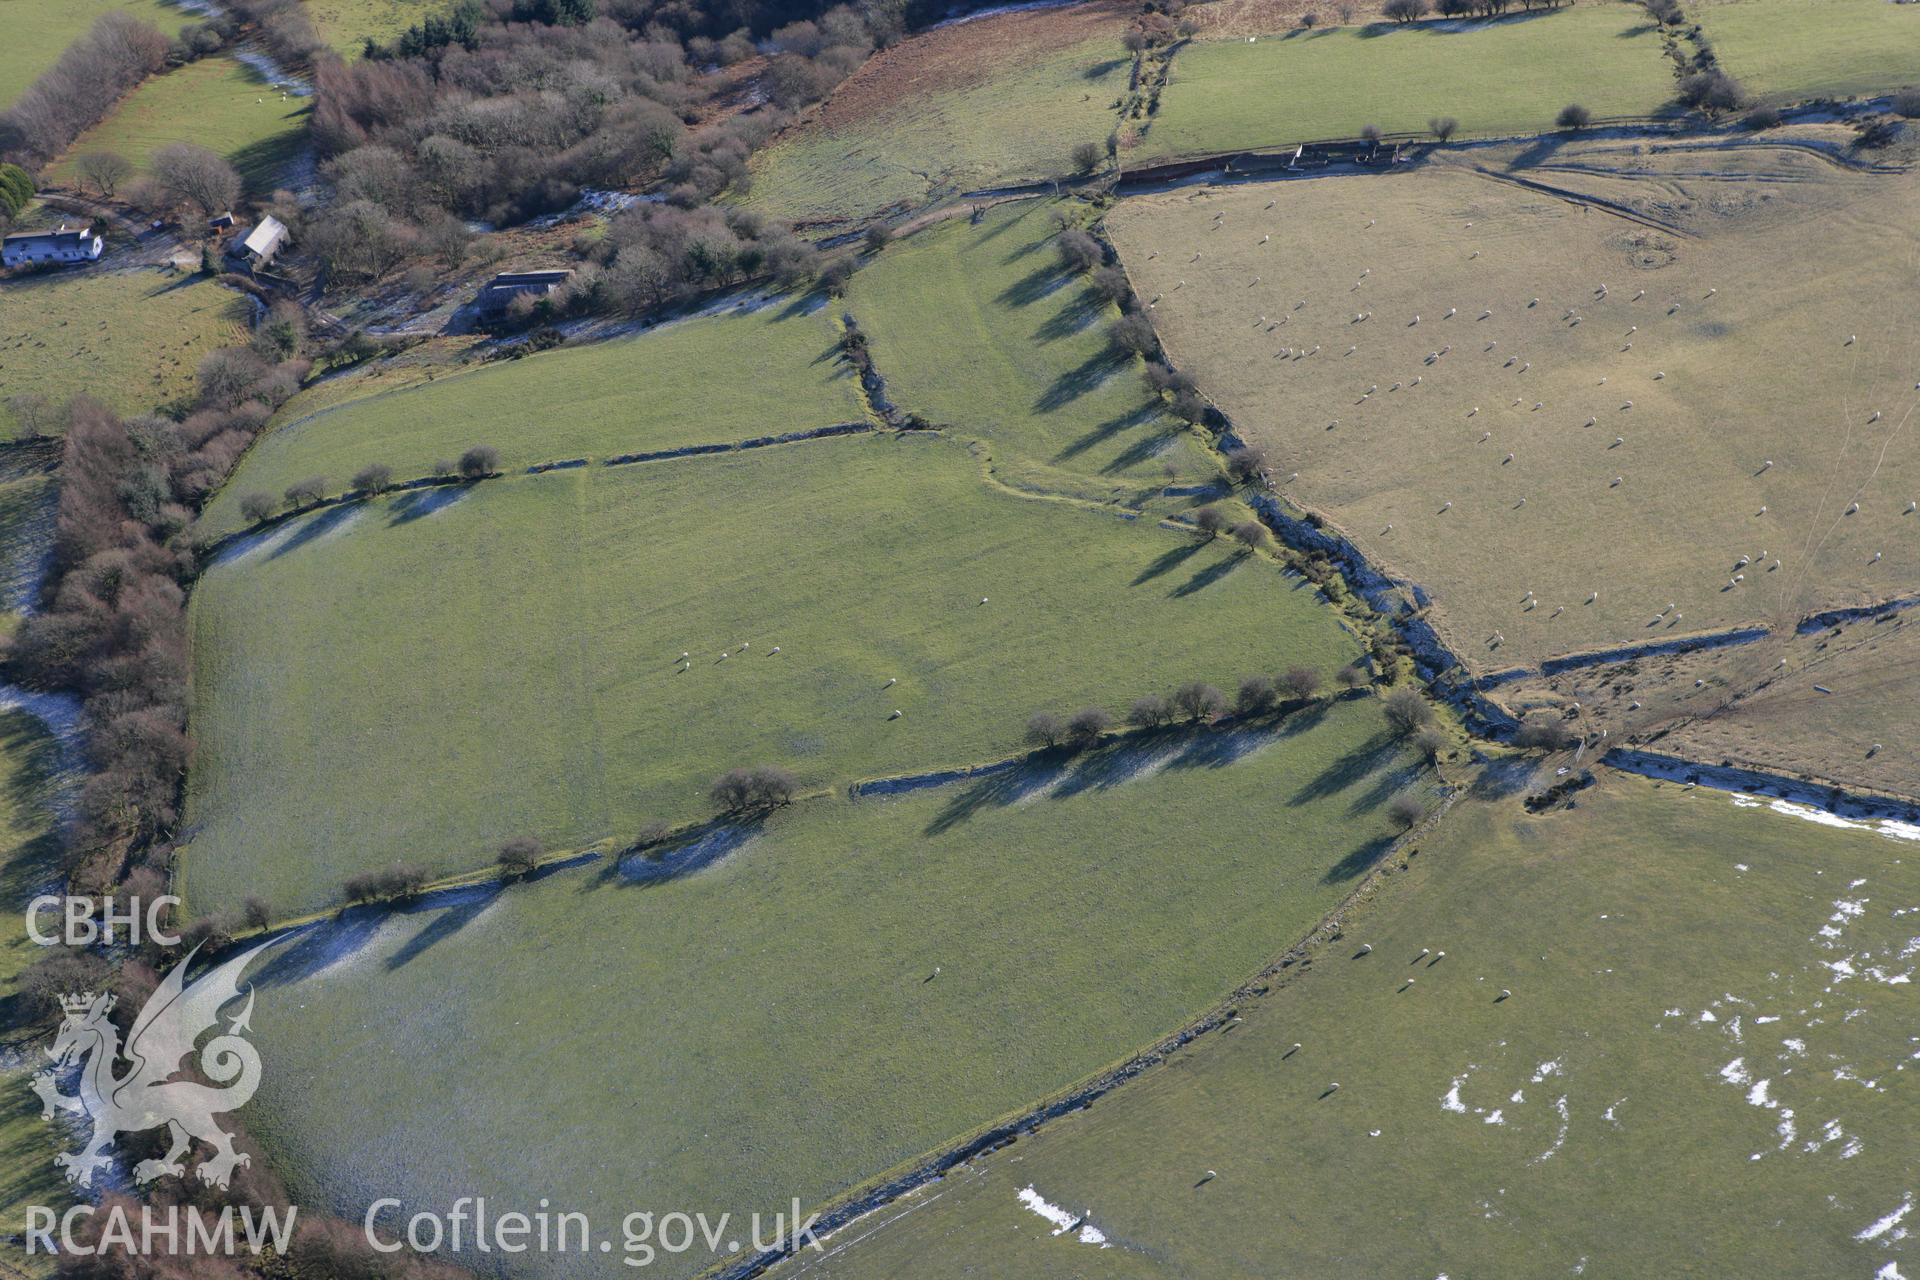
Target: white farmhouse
(62,246)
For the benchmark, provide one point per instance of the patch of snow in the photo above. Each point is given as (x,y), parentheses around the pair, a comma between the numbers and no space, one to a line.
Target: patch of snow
(1888,1225)
(1735,1072)
(1559,1139)
(1062,1220)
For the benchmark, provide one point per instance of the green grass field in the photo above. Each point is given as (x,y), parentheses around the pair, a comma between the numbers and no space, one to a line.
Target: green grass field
(131,339)
(215,103)
(708,380)
(1505,77)
(996,100)
(29,865)
(1727,334)
(1016,354)
(29,842)
(28,495)
(347,24)
(769,1027)
(1702,1070)
(1791,50)
(420,679)
(39,31)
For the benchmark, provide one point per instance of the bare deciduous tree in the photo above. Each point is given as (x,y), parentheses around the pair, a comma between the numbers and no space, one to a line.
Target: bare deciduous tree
(1301,682)
(520,855)
(1256,696)
(1574,116)
(1199,701)
(766,786)
(479,462)
(1045,729)
(1407,711)
(1086,726)
(201,178)
(106,170)
(375,477)
(1150,712)
(1405,810)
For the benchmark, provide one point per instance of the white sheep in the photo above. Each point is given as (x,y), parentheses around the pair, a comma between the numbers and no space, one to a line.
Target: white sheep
(1658,376)
(1450,313)
(1592,596)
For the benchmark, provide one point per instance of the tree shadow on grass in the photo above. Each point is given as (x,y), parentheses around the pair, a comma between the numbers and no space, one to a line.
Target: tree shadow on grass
(1167,561)
(1108,430)
(1043,280)
(1061,774)
(1140,452)
(1080,379)
(1207,575)
(454,914)
(261,163)
(317,525)
(1073,318)
(804,303)
(1358,861)
(999,789)
(424,502)
(320,946)
(693,852)
(1346,771)
(1108,67)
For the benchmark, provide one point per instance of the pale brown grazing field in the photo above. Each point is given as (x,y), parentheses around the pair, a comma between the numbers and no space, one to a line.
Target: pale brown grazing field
(1672,394)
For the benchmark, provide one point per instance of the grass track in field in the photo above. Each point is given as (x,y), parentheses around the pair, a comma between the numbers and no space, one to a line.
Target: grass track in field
(707,380)
(402,680)
(1790,50)
(992,101)
(1015,351)
(1506,77)
(1736,354)
(39,31)
(1667,952)
(131,339)
(765,1028)
(215,103)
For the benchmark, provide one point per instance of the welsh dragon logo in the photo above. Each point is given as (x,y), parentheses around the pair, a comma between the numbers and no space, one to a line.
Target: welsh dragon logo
(144,1095)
